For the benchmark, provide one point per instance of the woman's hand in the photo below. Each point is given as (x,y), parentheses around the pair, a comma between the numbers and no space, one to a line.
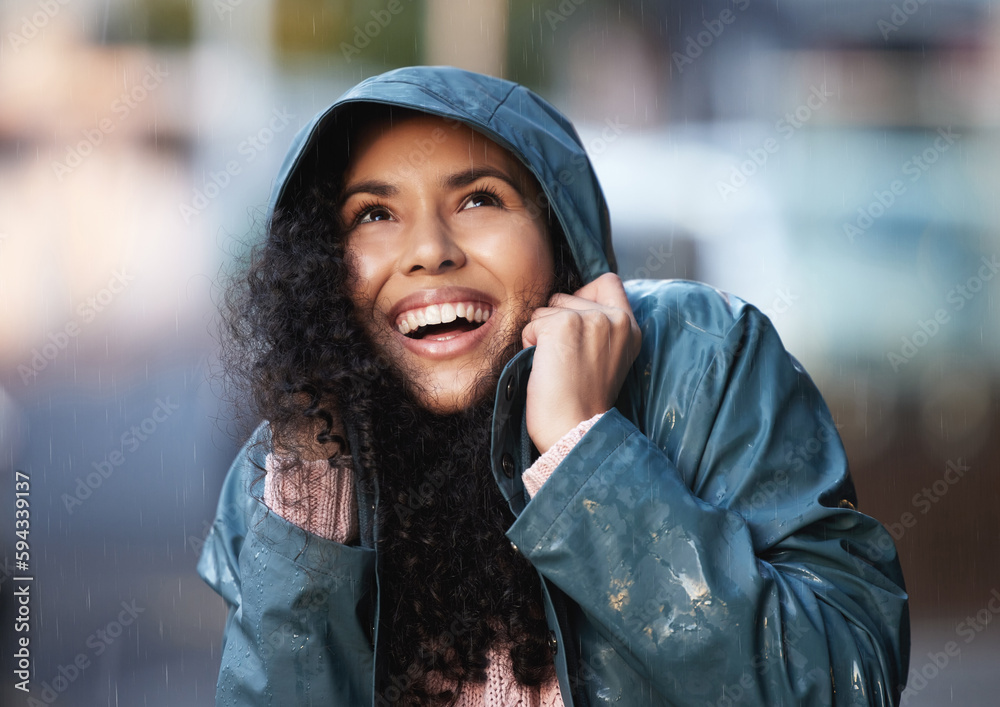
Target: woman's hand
(586,342)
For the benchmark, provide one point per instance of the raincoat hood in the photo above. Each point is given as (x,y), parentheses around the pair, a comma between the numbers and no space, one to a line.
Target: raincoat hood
(509,114)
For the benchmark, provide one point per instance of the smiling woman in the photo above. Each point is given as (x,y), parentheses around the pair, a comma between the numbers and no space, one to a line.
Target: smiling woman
(492,473)
(449,259)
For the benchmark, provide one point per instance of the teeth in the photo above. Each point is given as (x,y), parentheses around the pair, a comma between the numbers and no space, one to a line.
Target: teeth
(441,314)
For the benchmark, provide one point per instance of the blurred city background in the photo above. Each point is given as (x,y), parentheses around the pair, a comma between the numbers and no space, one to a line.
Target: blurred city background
(833,162)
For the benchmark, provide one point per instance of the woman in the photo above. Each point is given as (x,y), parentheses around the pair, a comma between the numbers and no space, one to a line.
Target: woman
(492,473)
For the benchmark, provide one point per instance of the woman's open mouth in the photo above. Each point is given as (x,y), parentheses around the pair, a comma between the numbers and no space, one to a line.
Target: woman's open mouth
(442,322)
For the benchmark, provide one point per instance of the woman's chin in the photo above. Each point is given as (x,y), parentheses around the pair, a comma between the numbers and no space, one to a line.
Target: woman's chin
(448,402)
(449,384)
(452,392)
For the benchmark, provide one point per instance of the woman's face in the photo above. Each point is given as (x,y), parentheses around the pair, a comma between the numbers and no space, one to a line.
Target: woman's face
(449,251)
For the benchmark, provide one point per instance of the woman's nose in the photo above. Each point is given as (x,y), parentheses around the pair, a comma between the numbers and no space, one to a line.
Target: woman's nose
(432,248)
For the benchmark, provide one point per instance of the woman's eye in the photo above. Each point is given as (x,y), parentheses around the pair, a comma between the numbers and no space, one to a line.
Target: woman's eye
(377,213)
(482,199)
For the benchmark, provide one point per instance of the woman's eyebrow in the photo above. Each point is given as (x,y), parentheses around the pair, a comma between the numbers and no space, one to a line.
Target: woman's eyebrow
(374,187)
(468,176)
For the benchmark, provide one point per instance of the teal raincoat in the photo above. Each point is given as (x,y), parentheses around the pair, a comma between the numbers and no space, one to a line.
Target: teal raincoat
(700,546)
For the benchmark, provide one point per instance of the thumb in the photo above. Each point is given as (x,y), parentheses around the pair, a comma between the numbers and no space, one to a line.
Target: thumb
(529,335)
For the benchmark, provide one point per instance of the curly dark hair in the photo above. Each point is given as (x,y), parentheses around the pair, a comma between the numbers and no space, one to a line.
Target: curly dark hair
(297,355)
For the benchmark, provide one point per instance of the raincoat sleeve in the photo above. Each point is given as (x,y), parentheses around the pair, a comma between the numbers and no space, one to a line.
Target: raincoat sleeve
(298,605)
(705,534)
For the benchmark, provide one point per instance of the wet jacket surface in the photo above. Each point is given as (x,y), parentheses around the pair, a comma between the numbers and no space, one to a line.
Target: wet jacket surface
(699,546)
